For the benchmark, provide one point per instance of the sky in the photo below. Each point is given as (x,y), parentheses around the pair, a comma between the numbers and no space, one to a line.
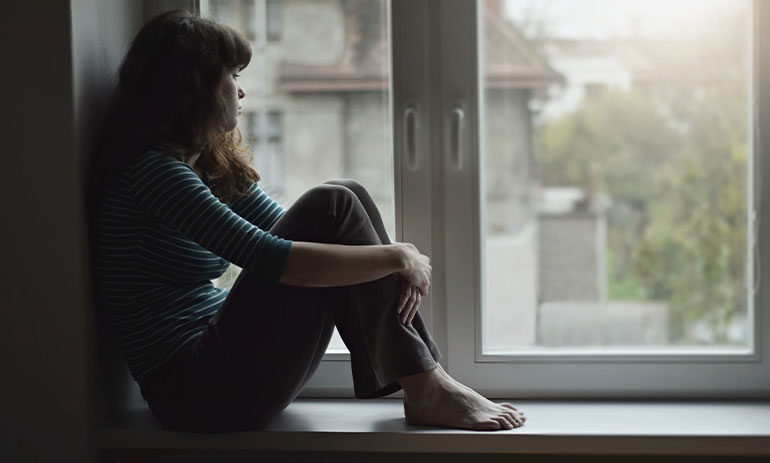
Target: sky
(602,19)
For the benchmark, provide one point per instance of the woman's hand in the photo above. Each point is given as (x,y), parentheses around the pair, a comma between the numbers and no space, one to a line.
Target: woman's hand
(409,302)
(416,268)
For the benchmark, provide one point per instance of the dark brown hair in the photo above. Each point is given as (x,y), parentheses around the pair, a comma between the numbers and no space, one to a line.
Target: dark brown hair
(167,93)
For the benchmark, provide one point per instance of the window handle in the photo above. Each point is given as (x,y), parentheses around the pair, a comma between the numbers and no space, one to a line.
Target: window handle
(410,138)
(456,141)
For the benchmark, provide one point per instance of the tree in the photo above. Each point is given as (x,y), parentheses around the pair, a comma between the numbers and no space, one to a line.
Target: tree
(617,141)
(693,252)
(677,217)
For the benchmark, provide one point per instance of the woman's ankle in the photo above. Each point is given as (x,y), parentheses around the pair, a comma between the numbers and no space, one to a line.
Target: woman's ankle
(422,387)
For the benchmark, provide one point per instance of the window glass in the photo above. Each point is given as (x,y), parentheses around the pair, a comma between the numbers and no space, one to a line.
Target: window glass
(615,170)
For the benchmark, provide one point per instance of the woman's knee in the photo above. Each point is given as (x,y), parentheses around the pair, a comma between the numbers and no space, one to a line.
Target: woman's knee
(350,184)
(324,196)
(338,212)
(337,201)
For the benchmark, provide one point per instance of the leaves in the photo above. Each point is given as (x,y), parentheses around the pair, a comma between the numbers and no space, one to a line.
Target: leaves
(677,189)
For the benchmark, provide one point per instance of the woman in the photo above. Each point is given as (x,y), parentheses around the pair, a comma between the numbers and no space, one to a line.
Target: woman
(175,200)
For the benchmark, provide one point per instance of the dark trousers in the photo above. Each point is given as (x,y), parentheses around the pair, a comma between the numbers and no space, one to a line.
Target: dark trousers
(267,340)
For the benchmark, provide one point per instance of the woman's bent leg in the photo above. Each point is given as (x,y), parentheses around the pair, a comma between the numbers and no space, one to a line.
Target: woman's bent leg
(267,339)
(382,348)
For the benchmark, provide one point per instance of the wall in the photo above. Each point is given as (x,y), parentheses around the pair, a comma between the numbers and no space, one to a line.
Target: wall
(62,58)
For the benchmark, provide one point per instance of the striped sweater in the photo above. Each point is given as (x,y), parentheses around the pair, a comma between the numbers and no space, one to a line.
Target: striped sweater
(162,237)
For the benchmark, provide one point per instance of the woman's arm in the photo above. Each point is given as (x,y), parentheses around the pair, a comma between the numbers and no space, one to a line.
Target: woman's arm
(318,264)
(172,192)
(257,207)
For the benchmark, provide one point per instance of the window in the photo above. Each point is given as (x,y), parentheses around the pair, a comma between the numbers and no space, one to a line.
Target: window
(251,17)
(273,19)
(585,176)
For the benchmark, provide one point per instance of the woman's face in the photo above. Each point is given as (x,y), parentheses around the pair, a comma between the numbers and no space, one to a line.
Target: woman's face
(232,92)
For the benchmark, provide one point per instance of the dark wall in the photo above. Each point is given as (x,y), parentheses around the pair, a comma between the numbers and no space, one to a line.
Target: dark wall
(58,59)
(43,390)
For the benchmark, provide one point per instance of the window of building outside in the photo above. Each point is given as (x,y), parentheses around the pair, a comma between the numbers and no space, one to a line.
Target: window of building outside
(597,223)
(273,18)
(247,17)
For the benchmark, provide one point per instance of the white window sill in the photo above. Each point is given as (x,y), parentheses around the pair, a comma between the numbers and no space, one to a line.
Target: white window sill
(592,428)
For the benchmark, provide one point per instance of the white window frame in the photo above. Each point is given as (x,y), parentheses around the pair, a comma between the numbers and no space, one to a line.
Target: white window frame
(435,89)
(713,373)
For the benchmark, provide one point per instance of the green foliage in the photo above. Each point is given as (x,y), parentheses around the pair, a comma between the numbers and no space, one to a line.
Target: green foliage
(676,180)
(617,142)
(623,289)
(693,253)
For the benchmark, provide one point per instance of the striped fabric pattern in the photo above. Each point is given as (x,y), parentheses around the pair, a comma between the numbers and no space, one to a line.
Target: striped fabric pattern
(162,237)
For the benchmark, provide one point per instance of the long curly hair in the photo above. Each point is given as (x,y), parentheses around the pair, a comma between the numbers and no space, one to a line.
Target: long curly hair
(167,94)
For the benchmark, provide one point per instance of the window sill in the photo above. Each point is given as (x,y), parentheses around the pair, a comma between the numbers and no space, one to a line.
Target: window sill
(595,428)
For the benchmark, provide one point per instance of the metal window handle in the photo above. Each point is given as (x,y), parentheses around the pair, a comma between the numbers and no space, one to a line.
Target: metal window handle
(456,142)
(410,137)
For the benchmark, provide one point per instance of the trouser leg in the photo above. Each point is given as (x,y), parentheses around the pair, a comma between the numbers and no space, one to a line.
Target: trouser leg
(382,349)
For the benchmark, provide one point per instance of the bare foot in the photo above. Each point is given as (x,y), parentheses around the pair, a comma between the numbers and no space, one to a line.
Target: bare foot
(434,398)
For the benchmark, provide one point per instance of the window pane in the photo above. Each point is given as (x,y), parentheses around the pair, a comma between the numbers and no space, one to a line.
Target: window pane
(317,103)
(615,170)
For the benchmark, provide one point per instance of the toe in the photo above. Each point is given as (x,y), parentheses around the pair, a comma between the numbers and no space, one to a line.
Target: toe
(490,425)
(509,406)
(513,418)
(504,423)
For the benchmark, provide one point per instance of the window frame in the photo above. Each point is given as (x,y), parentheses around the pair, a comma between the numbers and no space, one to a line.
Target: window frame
(719,373)
(435,81)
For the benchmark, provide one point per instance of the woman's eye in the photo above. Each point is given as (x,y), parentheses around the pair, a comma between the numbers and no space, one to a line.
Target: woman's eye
(236,75)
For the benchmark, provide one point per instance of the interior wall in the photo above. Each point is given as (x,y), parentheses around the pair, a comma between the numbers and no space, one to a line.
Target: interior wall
(59,58)
(102,33)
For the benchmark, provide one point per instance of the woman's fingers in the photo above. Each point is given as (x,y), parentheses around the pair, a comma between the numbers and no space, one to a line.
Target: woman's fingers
(404,298)
(416,307)
(409,305)
(413,306)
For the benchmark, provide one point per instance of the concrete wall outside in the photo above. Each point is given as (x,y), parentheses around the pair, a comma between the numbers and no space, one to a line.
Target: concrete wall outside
(571,256)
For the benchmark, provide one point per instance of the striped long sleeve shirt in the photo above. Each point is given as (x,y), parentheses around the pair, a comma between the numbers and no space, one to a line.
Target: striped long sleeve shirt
(162,237)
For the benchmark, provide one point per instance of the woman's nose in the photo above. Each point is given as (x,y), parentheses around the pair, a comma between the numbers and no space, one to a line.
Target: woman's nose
(241,93)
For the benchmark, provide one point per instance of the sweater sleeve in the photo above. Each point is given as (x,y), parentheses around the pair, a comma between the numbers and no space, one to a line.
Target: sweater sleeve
(257,207)
(171,190)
